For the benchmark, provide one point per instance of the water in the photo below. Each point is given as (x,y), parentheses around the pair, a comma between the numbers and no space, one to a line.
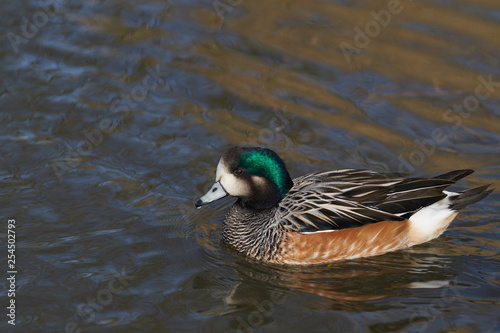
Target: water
(115,114)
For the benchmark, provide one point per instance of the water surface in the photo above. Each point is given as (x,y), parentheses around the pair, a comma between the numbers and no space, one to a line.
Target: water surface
(115,114)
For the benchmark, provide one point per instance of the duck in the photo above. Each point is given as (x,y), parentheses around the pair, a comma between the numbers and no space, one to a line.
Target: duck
(328,216)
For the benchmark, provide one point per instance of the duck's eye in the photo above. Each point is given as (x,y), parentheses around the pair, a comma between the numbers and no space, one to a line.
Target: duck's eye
(238,172)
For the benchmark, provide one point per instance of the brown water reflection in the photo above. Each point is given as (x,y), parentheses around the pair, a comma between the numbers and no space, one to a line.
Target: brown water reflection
(409,86)
(413,58)
(372,285)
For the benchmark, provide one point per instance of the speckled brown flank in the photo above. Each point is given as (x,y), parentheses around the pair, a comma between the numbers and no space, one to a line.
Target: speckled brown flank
(369,240)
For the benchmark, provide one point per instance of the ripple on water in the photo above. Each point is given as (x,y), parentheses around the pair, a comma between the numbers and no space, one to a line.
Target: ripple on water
(180,84)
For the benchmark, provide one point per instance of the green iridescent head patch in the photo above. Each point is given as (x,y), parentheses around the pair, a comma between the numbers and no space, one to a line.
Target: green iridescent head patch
(266,164)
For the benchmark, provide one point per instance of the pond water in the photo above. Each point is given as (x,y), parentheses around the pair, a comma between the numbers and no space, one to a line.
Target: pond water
(114,115)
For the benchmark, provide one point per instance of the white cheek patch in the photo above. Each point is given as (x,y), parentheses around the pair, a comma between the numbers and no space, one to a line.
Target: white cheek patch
(234,186)
(231,184)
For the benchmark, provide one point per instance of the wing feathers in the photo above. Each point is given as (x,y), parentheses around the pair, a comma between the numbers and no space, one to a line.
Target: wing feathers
(348,198)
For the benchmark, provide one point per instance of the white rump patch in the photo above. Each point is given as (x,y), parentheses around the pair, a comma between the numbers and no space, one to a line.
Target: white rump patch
(429,221)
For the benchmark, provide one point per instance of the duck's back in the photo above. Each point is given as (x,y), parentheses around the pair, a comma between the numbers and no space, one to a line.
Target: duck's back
(340,199)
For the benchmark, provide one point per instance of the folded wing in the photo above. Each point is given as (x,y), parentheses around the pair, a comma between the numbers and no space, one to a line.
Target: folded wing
(348,198)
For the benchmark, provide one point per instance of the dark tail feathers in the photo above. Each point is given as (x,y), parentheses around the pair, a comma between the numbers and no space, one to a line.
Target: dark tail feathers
(467,197)
(455,175)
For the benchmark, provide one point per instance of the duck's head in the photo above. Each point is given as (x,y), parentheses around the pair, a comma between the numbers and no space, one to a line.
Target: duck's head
(256,176)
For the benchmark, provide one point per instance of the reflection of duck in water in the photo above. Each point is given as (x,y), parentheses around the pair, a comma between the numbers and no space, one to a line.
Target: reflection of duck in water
(329,216)
(264,292)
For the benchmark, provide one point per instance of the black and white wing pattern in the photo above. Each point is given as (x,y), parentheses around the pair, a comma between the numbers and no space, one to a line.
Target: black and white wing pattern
(351,198)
